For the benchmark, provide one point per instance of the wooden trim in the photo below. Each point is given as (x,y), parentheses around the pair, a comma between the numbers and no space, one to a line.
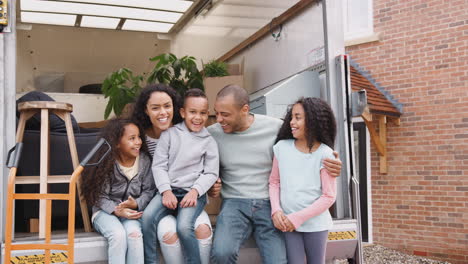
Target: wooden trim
(44,105)
(44,165)
(383,141)
(24,117)
(74,156)
(379,139)
(366,115)
(35,179)
(41,196)
(48,228)
(39,246)
(265,30)
(374,136)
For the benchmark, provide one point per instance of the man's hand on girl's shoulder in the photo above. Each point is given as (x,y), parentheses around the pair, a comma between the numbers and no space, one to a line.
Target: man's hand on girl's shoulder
(333,166)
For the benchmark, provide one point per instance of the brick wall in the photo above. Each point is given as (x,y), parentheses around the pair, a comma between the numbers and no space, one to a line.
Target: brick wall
(421,205)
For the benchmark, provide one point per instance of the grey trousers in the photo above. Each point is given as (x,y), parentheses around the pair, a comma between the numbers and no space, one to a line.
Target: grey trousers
(306,247)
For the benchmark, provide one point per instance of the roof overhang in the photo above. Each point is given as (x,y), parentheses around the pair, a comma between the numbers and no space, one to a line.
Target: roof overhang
(381,107)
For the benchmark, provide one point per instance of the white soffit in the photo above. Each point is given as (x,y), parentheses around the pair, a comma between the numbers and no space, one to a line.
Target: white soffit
(99,22)
(45,18)
(138,25)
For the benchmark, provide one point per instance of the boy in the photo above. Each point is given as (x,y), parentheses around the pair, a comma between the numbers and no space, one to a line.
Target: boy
(185,166)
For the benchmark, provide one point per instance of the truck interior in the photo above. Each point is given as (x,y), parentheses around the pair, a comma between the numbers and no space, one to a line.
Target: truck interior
(286,49)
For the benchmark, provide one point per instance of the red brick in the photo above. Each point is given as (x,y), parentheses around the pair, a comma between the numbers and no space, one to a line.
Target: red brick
(421,62)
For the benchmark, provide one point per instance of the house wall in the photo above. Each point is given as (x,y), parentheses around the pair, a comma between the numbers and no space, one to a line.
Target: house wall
(420,206)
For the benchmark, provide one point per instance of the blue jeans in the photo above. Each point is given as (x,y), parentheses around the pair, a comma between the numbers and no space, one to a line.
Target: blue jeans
(186,217)
(236,222)
(124,238)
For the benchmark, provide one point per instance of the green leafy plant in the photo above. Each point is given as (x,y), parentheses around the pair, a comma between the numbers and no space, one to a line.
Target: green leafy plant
(179,73)
(215,68)
(121,87)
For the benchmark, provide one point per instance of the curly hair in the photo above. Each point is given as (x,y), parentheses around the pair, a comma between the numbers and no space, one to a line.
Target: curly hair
(320,122)
(95,178)
(139,115)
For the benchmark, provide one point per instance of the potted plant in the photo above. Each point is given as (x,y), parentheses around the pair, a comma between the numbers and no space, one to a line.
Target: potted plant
(181,74)
(122,87)
(215,68)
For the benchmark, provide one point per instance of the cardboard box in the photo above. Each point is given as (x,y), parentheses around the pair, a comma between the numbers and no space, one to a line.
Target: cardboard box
(214,84)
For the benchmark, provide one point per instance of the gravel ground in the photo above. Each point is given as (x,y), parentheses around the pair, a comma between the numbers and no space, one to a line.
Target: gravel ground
(376,254)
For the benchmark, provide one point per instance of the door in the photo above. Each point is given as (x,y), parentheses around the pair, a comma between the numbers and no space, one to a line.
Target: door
(360,155)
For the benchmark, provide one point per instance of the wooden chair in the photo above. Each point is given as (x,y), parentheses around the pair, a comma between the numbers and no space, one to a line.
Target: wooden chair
(62,110)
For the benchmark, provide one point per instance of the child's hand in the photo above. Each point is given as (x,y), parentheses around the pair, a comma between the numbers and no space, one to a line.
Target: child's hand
(127,213)
(129,203)
(278,220)
(289,225)
(190,199)
(169,200)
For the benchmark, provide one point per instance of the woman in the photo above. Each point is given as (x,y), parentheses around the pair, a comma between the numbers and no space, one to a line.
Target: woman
(157,109)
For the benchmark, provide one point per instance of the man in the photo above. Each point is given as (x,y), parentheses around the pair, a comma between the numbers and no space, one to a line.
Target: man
(245,143)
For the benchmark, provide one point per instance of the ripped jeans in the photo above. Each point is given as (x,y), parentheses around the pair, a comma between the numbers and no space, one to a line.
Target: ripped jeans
(186,218)
(173,252)
(124,238)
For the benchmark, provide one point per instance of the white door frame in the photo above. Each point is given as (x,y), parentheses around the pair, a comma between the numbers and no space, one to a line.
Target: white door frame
(369,181)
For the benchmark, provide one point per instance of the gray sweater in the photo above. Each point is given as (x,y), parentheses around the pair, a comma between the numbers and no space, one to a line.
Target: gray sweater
(141,187)
(185,159)
(246,158)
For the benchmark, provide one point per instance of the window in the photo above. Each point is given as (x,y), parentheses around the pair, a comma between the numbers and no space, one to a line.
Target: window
(358,19)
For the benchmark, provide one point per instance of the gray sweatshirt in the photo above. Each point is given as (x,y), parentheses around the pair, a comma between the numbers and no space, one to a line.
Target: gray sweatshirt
(246,158)
(186,160)
(141,187)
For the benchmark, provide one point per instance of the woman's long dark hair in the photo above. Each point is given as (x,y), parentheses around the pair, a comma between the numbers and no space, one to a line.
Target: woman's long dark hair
(319,121)
(94,179)
(141,118)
